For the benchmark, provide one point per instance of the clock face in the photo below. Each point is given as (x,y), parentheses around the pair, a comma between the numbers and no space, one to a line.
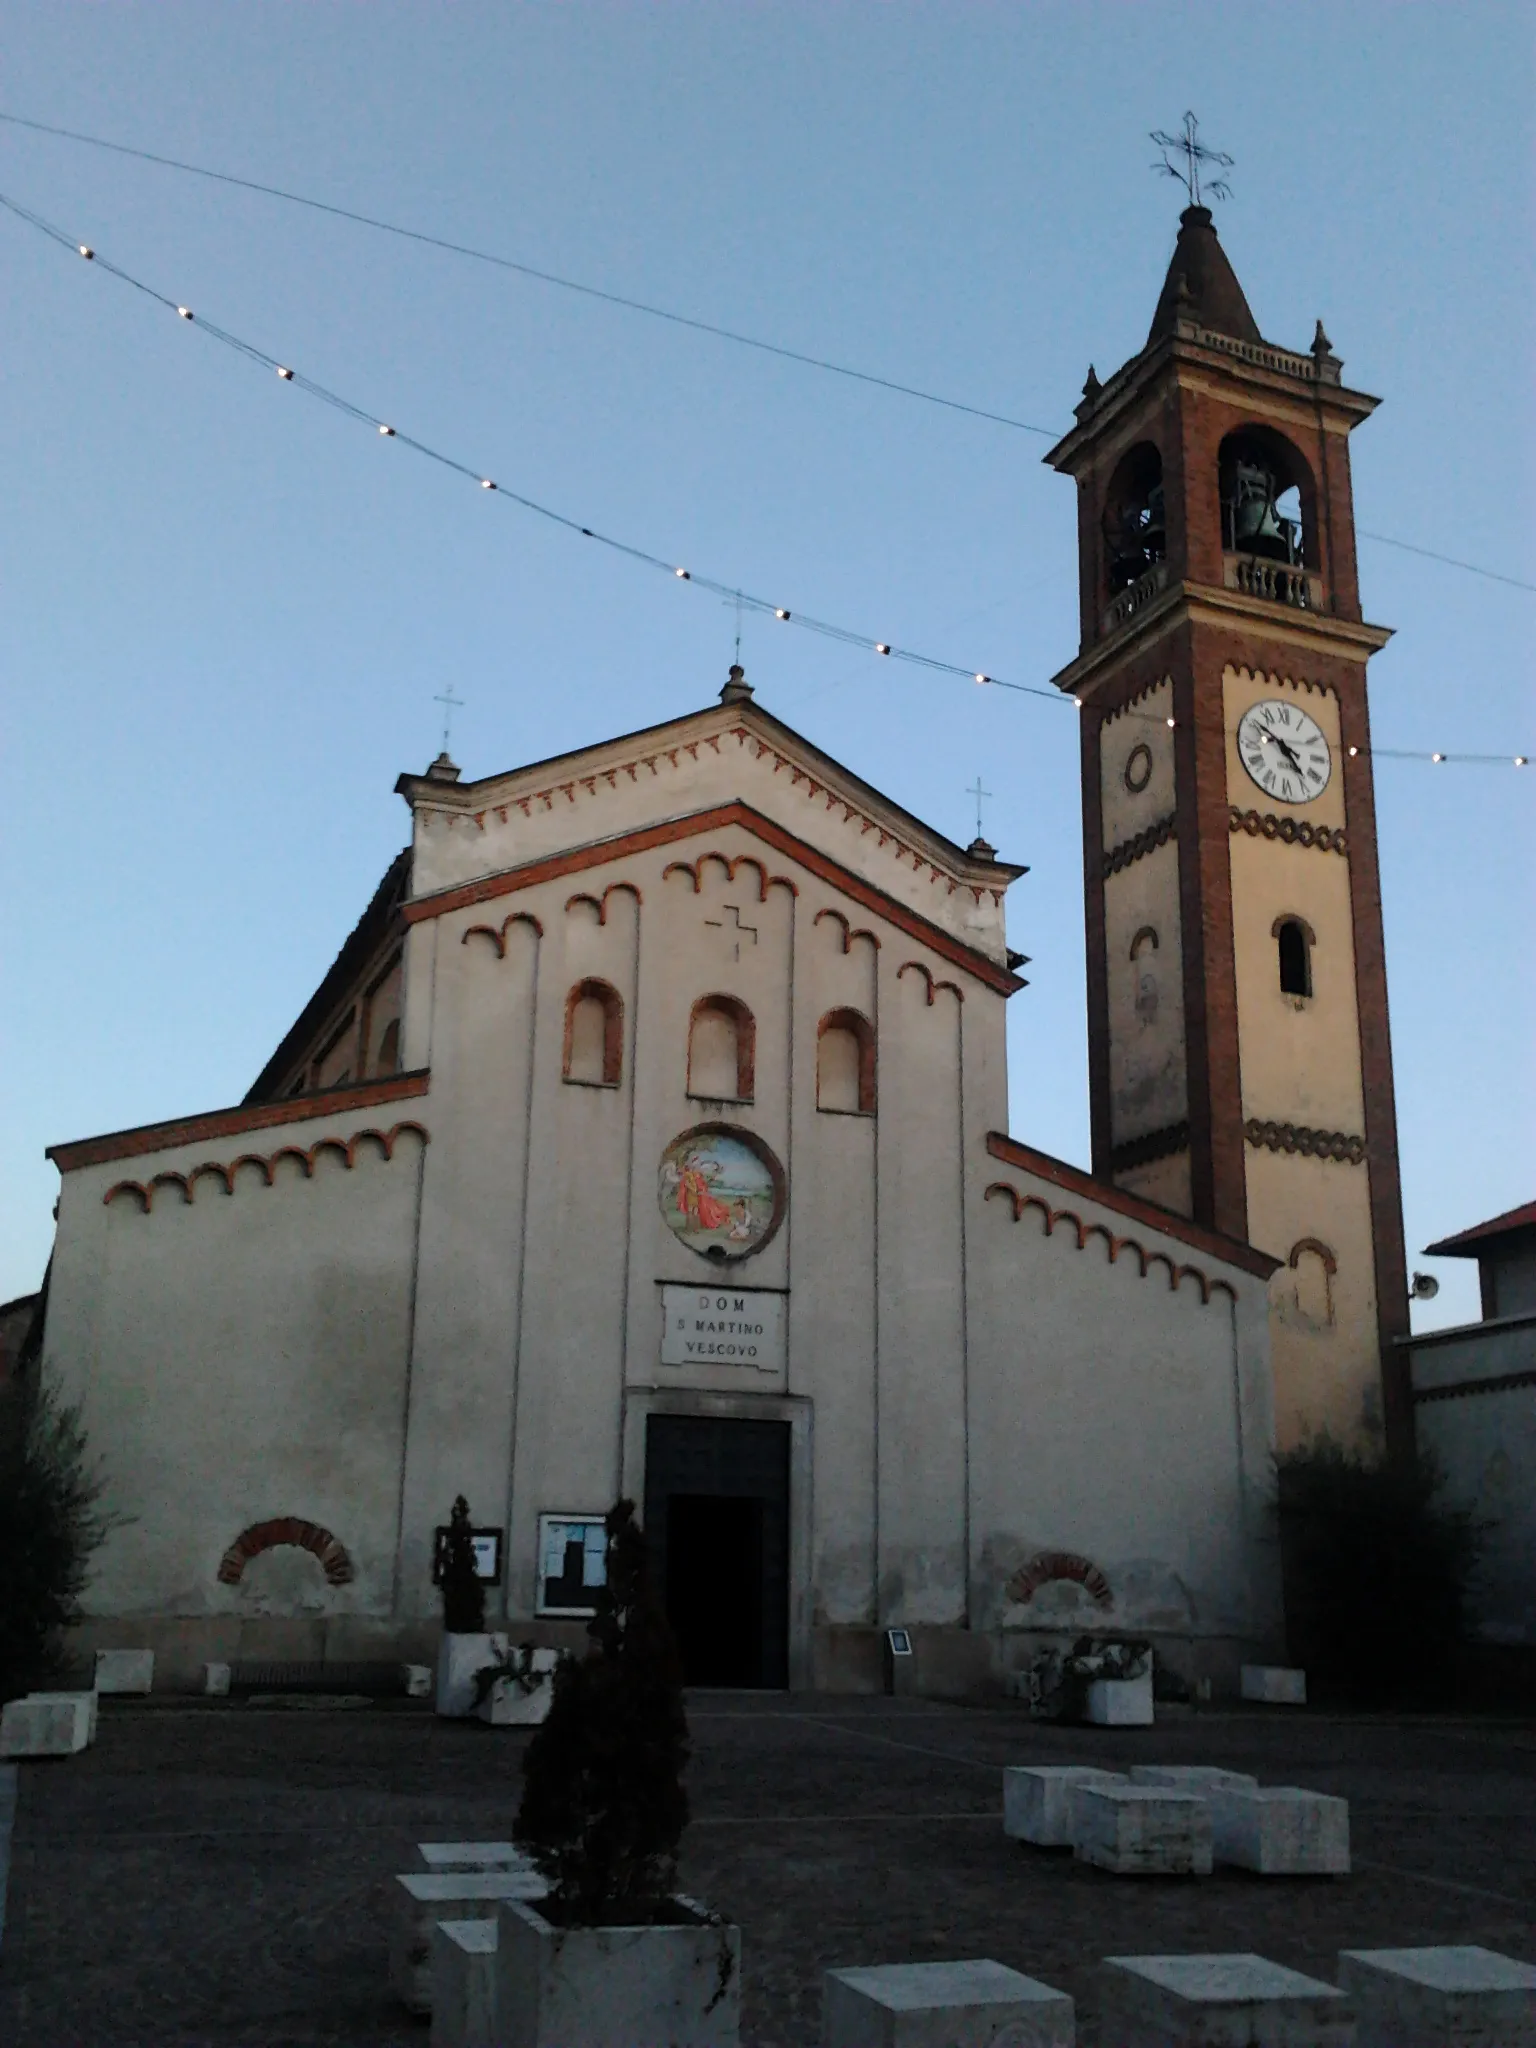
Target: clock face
(1284,751)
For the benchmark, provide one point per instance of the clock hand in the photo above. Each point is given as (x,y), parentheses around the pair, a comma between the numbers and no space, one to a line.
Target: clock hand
(1286,748)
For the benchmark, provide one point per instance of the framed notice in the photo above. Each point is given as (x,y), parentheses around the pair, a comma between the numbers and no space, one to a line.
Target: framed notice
(487,1545)
(573,1563)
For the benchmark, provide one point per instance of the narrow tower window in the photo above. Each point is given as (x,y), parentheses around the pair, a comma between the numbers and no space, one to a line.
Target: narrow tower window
(1294,941)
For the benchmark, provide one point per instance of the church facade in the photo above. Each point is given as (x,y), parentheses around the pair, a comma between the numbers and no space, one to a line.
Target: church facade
(648,1136)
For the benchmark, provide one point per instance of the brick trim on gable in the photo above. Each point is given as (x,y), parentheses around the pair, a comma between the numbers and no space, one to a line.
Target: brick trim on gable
(598,853)
(228,1123)
(1212,1242)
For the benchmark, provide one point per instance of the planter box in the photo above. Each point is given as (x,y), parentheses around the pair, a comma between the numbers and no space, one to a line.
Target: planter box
(615,1987)
(510,1704)
(1120,1702)
(458,1659)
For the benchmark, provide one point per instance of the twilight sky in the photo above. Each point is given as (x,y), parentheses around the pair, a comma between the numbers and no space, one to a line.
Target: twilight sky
(228,610)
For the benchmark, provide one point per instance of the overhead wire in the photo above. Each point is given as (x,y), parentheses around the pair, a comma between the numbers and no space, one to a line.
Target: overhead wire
(747,601)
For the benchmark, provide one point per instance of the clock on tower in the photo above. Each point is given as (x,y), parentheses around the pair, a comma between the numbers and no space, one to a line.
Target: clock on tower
(1239,1054)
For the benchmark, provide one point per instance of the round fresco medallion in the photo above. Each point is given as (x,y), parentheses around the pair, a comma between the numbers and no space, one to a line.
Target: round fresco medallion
(721,1190)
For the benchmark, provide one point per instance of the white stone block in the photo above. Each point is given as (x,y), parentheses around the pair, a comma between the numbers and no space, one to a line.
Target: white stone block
(1201,1779)
(417,1680)
(92,1708)
(943,2005)
(1219,2002)
(58,1725)
(1423,1997)
(1280,1830)
(1037,1801)
(617,1987)
(463,1971)
(1141,1830)
(458,1660)
(444,1858)
(1120,1702)
(424,1897)
(216,1680)
(125,1670)
(512,1704)
(1274,1685)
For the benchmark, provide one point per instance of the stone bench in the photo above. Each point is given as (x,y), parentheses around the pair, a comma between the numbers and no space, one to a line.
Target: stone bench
(1273,1685)
(1037,1801)
(423,1898)
(216,1679)
(1141,1830)
(54,1725)
(943,2005)
(125,1671)
(1201,1779)
(1219,2002)
(445,1858)
(1426,1997)
(92,1708)
(463,1974)
(1120,1702)
(1280,1831)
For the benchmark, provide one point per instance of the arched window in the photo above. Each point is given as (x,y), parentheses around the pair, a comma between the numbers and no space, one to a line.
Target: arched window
(845,1064)
(1294,939)
(594,1035)
(722,1050)
(1135,531)
(1266,498)
(1314,1266)
(389,1047)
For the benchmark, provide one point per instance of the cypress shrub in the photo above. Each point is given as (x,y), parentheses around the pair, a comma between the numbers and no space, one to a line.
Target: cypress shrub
(462,1587)
(603,1807)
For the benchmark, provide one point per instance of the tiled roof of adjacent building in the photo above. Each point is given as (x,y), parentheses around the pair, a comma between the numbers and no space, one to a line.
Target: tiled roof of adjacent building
(1466,1244)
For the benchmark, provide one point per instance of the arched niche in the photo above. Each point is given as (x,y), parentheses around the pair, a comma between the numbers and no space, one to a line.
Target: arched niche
(845,1064)
(594,1035)
(722,1049)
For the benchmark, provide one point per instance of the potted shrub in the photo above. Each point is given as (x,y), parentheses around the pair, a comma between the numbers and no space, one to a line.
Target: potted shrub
(614,1955)
(516,1693)
(466,1647)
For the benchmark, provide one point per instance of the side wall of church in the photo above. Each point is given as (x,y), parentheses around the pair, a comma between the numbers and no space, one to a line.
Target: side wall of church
(233,1316)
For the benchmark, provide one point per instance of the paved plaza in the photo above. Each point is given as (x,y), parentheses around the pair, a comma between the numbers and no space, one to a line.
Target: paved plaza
(219,1873)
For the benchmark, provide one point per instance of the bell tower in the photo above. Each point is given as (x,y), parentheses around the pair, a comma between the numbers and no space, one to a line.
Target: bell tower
(1240,1063)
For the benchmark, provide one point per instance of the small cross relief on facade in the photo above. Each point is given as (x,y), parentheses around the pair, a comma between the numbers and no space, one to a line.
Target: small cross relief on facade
(732,931)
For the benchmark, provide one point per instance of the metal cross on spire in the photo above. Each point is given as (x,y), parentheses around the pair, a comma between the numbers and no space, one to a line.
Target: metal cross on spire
(1195,153)
(738,602)
(450,704)
(978,792)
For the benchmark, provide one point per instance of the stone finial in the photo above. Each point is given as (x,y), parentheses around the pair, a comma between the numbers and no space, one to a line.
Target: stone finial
(443,769)
(981,849)
(1321,345)
(737,689)
(1091,385)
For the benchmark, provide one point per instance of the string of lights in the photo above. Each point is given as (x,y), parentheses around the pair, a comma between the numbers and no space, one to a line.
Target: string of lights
(465,249)
(745,600)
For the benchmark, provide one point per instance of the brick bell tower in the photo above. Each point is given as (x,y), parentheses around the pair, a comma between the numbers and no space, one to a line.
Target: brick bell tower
(1237,1000)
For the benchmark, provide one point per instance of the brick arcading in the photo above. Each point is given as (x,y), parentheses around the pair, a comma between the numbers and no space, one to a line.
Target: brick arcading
(1293,831)
(1147,841)
(1298,1138)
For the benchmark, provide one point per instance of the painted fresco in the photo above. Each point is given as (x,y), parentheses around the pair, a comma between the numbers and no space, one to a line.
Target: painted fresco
(718,1192)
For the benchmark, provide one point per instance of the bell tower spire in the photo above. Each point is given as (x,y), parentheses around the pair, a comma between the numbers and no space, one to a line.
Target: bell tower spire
(1239,1054)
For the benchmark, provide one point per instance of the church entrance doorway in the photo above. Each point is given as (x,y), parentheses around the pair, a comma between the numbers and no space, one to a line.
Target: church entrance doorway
(717,1525)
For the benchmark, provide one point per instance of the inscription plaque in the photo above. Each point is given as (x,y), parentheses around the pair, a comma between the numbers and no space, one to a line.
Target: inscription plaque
(735,1327)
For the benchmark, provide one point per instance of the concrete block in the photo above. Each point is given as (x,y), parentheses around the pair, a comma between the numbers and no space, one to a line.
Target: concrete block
(1201,1779)
(463,1971)
(417,1680)
(1141,1830)
(1280,1830)
(424,1897)
(512,1704)
(57,1725)
(1120,1702)
(216,1680)
(1037,1801)
(1219,2002)
(125,1670)
(616,1987)
(444,1858)
(458,1660)
(1426,1997)
(943,2005)
(92,1708)
(1274,1685)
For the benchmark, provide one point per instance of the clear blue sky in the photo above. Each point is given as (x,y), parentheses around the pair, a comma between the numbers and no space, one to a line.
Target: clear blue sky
(227,611)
